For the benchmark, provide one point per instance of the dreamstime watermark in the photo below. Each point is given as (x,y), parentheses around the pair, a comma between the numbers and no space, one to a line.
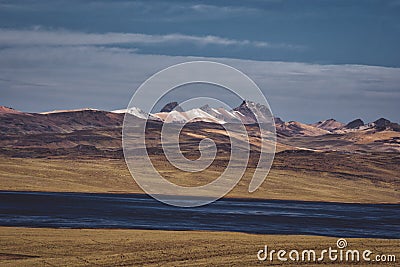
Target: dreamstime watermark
(340,253)
(136,138)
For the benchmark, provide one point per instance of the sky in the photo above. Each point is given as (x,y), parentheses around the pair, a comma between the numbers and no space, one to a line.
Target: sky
(313,60)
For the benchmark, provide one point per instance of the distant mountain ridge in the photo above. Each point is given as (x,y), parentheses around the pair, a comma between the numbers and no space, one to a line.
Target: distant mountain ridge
(64,121)
(91,129)
(247,112)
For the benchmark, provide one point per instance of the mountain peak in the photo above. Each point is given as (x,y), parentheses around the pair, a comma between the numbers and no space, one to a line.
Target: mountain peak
(246,114)
(244,102)
(171,106)
(355,124)
(385,124)
(249,104)
(278,120)
(205,108)
(382,122)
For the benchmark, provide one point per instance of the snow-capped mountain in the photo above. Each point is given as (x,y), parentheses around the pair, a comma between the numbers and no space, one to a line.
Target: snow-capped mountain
(248,113)
(137,112)
(221,114)
(381,130)
(192,115)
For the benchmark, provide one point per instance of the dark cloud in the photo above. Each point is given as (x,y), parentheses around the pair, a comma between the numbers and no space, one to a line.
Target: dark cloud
(46,78)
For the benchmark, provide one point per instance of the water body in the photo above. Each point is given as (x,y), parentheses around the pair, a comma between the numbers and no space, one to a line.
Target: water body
(81,210)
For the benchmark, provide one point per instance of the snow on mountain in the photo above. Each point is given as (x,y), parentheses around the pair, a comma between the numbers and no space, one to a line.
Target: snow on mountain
(228,115)
(69,110)
(171,117)
(244,113)
(120,111)
(220,114)
(196,114)
(137,112)
(248,113)
(215,110)
(251,112)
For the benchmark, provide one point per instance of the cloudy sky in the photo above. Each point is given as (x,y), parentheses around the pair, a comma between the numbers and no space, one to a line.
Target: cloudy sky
(313,60)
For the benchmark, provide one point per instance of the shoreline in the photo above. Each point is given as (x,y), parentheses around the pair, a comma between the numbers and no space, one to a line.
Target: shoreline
(194,231)
(226,198)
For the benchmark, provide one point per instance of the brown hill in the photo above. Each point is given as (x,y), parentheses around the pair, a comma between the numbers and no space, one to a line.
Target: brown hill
(329,125)
(68,121)
(7,110)
(294,128)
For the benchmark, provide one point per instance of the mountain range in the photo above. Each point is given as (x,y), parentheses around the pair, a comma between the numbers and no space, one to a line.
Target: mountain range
(249,112)
(65,132)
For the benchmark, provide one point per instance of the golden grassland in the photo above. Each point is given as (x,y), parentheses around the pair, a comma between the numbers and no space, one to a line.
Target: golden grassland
(101,247)
(309,183)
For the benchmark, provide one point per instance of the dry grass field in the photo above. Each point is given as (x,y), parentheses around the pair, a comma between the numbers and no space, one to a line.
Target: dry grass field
(96,247)
(370,178)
